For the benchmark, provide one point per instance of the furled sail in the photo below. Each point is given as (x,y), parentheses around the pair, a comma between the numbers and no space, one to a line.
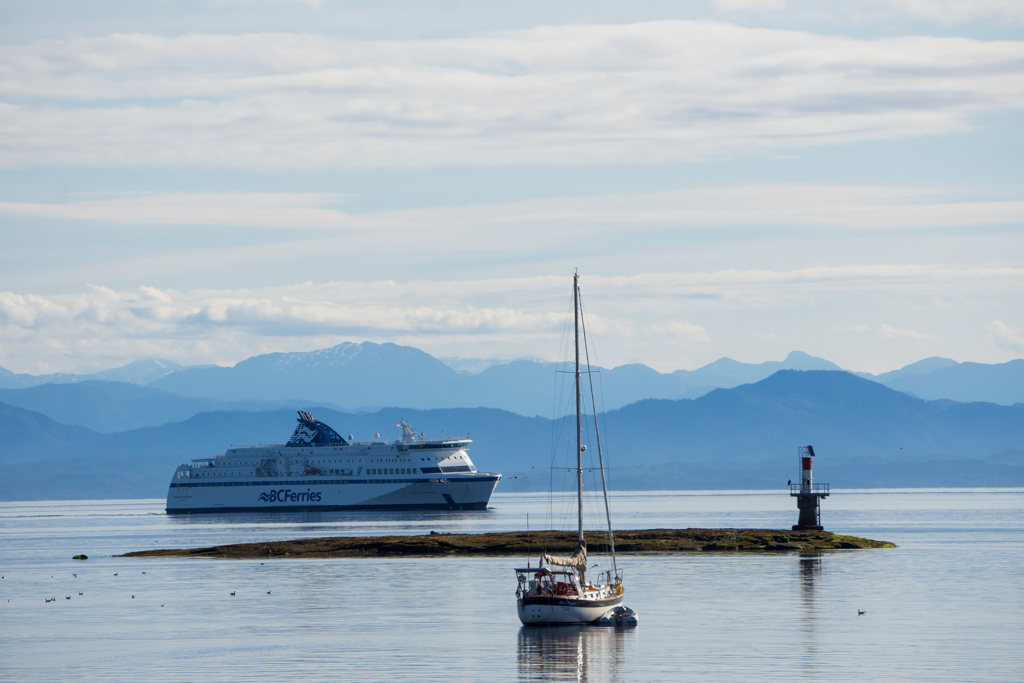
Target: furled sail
(578,560)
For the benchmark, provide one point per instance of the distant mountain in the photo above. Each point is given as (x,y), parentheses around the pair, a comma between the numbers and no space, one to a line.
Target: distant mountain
(745,437)
(117,406)
(27,436)
(726,373)
(137,372)
(921,367)
(474,366)
(354,375)
(350,375)
(366,376)
(845,416)
(1002,383)
(12,380)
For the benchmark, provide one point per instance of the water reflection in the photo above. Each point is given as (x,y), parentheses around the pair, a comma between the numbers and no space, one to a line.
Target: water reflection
(810,576)
(573,653)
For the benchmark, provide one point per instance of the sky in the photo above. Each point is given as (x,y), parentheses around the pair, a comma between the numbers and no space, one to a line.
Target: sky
(206,180)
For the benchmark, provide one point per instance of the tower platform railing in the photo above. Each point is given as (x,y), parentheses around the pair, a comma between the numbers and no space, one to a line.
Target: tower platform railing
(814,489)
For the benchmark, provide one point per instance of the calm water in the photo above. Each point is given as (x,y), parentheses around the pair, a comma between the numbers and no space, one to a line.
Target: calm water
(948,605)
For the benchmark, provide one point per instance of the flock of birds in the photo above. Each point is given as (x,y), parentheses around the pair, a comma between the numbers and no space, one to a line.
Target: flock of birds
(81,593)
(860,612)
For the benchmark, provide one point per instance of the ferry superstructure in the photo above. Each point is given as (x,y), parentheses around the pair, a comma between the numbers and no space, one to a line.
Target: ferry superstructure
(319,470)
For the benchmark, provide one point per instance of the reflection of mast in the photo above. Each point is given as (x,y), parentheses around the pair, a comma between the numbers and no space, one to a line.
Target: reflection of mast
(572,653)
(810,568)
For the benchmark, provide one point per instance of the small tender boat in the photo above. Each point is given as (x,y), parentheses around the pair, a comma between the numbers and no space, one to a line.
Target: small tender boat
(559,593)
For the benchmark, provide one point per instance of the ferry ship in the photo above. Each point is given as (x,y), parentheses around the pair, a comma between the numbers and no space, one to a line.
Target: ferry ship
(319,470)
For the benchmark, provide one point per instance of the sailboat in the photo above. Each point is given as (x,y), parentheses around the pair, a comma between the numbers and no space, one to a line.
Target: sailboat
(558,591)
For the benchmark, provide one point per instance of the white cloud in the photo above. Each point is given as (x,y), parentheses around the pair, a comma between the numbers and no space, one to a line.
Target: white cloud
(1006,337)
(876,12)
(958,11)
(753,205)
(688,331)
(732,6)
(893,332)
(508,317)
(638,93)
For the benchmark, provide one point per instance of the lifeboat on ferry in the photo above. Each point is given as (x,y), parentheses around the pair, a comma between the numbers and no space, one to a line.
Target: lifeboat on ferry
(311,470)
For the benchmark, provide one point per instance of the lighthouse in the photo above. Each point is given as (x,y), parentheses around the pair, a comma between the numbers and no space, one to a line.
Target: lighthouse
(808,494)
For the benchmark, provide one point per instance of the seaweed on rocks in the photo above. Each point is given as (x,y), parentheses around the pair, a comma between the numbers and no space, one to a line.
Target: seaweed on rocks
(528,543)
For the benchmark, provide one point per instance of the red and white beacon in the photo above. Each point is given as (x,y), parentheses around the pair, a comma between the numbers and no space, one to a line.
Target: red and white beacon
(808,494)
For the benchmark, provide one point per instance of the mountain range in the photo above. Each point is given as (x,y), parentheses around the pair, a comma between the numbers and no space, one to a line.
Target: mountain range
(366,376)
(136,372)
(866,435)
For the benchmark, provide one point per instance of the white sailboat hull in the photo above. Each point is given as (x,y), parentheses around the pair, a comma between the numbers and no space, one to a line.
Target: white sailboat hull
(543,610)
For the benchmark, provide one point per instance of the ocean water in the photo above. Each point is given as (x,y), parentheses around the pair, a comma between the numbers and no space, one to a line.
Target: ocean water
(947,605)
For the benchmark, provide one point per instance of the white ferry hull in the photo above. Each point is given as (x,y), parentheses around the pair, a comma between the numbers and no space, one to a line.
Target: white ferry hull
(470,491)
(544,610)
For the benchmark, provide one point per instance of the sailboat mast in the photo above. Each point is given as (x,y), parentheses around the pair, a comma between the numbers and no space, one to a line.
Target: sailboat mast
(579,423)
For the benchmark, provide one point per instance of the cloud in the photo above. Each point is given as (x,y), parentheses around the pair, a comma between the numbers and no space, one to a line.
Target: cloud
(687,331)
(732,6)
(654,92)
(1006,337)
(500,317)
(943,12)
(893,332)
(957,11)
(752,205)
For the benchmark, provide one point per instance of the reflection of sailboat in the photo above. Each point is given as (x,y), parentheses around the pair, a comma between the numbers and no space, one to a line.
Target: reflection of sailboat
(571,653)
(563,595)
